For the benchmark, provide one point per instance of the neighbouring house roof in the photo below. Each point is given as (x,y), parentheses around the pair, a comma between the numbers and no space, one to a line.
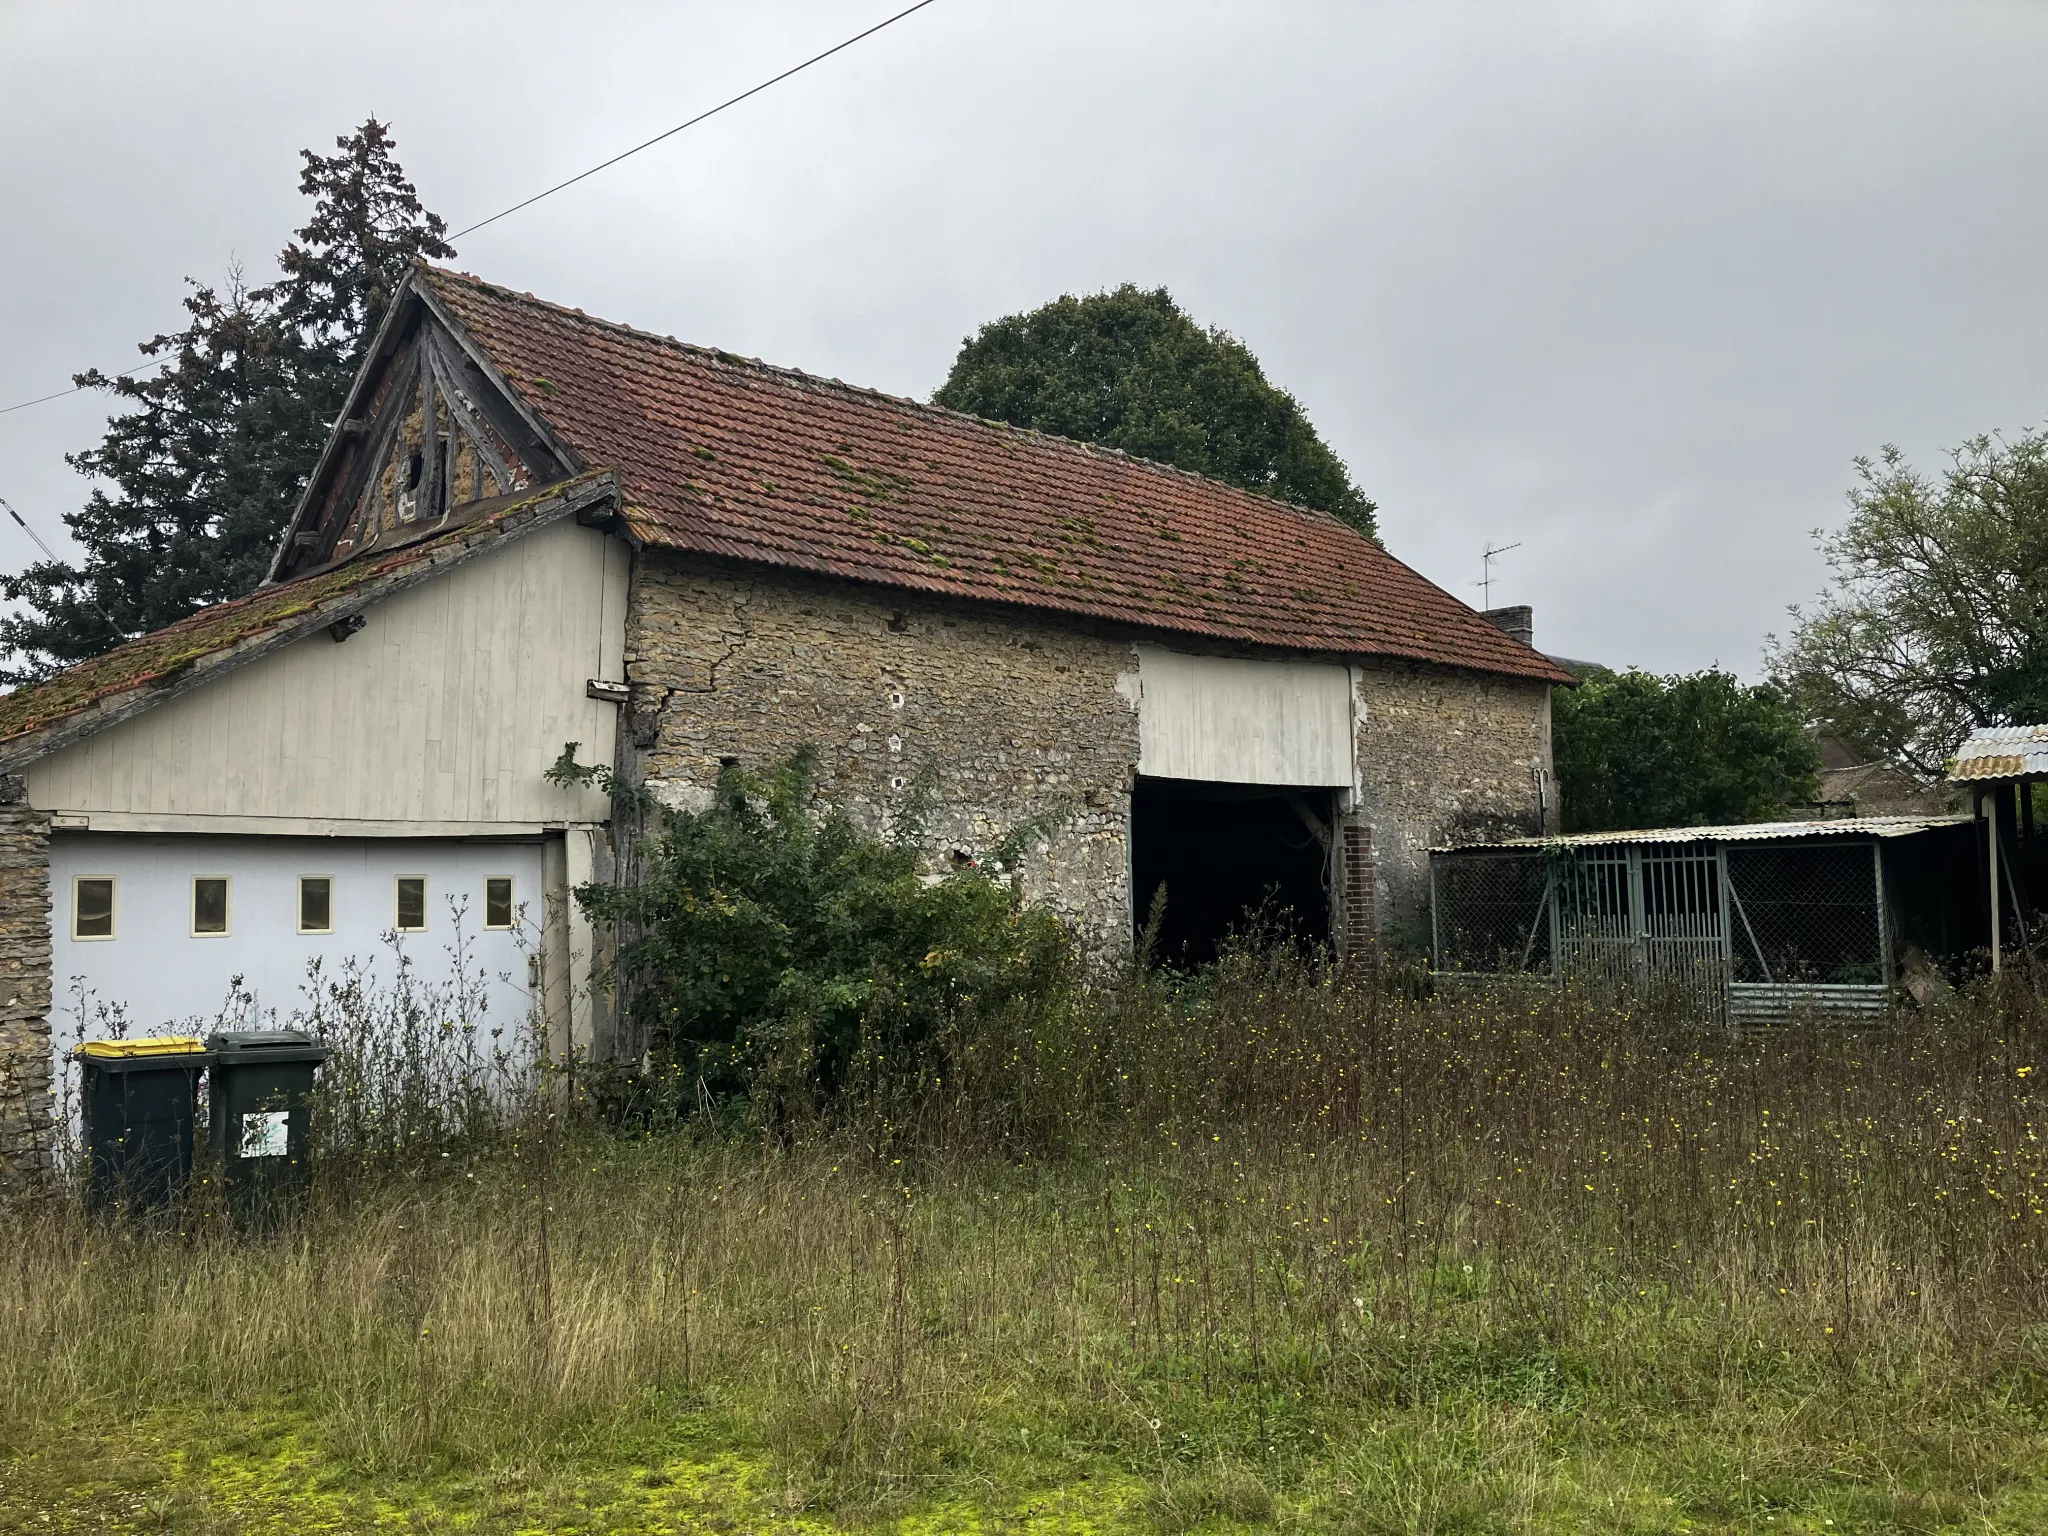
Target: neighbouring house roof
(1741,832)
(722,456)
(86,697)
(1883,789)
(2002,752)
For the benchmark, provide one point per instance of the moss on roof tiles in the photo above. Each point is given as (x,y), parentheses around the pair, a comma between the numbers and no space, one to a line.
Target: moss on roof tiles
(160,657)
(639,403)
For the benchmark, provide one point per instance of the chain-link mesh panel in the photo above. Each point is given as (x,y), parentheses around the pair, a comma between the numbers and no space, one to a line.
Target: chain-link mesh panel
(1805,912)
(1490,915)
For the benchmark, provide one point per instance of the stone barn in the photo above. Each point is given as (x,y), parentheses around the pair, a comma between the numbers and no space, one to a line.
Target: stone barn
(531,527)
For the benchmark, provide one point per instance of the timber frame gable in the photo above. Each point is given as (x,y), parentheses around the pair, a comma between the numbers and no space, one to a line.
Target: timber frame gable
(432,437)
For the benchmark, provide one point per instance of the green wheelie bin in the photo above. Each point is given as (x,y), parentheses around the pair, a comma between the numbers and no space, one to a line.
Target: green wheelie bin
(140,1100)
(261,1087)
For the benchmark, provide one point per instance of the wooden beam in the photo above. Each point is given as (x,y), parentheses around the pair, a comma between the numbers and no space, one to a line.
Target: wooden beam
(377,432)
(1990,803)
(460,415)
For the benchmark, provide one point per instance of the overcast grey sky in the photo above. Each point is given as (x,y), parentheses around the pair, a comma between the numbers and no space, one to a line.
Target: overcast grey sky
(1629,283)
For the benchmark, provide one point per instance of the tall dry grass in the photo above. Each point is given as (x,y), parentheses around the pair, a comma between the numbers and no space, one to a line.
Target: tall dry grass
(1212,1234)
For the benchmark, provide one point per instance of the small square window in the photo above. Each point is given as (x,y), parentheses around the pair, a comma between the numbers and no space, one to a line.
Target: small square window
(92,907)
(316,904)
(412,903)
(498,901)
(209,905)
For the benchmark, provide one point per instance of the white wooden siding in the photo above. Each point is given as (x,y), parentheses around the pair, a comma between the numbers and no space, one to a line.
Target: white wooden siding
(448,706)
(1234,721)
(159,973)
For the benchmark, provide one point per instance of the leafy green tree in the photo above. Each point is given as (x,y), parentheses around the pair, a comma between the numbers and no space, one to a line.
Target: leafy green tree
(771,946)
(1129,369)
(194,482)
(1935,621)
(1636,750)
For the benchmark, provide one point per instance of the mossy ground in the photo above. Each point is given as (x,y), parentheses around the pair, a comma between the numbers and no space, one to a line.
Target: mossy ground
(1472,1266)
(246,1472)
(1787,1466)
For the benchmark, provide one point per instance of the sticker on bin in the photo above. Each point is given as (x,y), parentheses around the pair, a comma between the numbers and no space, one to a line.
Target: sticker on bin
(263,1135)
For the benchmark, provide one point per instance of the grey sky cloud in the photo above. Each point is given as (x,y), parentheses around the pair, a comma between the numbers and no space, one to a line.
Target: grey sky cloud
(1630,283)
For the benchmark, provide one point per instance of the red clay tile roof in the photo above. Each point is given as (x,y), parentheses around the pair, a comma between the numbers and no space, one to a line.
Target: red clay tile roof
(722,456)
(164,657)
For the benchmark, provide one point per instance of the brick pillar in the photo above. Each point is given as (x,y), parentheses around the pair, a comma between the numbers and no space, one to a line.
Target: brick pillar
(1361,932)
(25,1103)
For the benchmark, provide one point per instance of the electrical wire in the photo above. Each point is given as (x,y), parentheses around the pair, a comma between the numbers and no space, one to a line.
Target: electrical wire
(470,229)
(155,362)
(795,69)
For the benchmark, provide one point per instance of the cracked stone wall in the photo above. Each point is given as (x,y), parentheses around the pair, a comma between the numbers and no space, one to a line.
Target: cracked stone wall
(25,1103)
(1445,757)
(1017,718)
(1011,719)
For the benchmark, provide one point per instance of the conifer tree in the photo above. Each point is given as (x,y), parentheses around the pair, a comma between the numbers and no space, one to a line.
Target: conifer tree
(196,480)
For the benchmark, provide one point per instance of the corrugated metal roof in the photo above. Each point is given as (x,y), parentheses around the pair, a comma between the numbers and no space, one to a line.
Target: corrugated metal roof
(1743,832)
(2002,752)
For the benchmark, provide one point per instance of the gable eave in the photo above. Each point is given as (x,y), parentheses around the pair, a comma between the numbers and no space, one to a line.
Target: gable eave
(488,367)
(578,498)
(414,297)
(382,345)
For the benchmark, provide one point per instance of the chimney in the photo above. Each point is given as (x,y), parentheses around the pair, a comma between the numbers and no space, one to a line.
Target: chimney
(1518,621)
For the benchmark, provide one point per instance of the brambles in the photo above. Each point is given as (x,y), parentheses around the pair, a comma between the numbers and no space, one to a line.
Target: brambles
(771,948)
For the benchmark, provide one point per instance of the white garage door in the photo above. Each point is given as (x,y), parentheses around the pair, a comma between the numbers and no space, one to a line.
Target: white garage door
(144,924)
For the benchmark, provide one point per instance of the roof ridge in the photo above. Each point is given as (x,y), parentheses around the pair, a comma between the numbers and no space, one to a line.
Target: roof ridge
(1346,593)
(922,407)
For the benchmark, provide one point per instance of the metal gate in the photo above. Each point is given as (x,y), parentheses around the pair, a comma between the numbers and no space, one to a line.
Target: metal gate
(1593,901)
(1650,917)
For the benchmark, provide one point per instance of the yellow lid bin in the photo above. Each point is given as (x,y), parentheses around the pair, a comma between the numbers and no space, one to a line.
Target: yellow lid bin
(155,1045)
(140,1099)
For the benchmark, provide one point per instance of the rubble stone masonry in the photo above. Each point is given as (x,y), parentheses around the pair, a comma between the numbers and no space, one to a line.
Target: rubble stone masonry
(25,1104)
(1008,720)
(1011,718)
(1443,757)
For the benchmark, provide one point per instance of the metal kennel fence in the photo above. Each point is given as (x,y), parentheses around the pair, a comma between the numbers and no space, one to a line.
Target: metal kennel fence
(1757,921)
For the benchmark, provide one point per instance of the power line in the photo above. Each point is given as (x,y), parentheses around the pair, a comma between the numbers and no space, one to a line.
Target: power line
(692,122)
(155,362)
(795,69)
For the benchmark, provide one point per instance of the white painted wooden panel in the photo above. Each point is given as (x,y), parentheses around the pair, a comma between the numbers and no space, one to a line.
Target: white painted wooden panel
(1233,721)
(449,705)
(159,973)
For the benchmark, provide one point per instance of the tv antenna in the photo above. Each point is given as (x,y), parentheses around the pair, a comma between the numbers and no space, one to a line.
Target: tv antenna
(1486,559)
(50,555)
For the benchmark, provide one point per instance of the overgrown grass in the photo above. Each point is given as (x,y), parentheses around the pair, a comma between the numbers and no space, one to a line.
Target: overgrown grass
(1282,1248)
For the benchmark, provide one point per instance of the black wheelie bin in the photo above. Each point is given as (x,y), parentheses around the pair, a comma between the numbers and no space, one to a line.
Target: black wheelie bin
(261,1087)
(140,1100)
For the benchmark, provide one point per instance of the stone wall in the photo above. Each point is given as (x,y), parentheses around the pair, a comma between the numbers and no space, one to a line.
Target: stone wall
(1008,719)
(1013,718)
(25,1103)
(1445,757)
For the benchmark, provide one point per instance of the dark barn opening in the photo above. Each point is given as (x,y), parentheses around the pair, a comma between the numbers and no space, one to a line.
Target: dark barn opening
(1229,855)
